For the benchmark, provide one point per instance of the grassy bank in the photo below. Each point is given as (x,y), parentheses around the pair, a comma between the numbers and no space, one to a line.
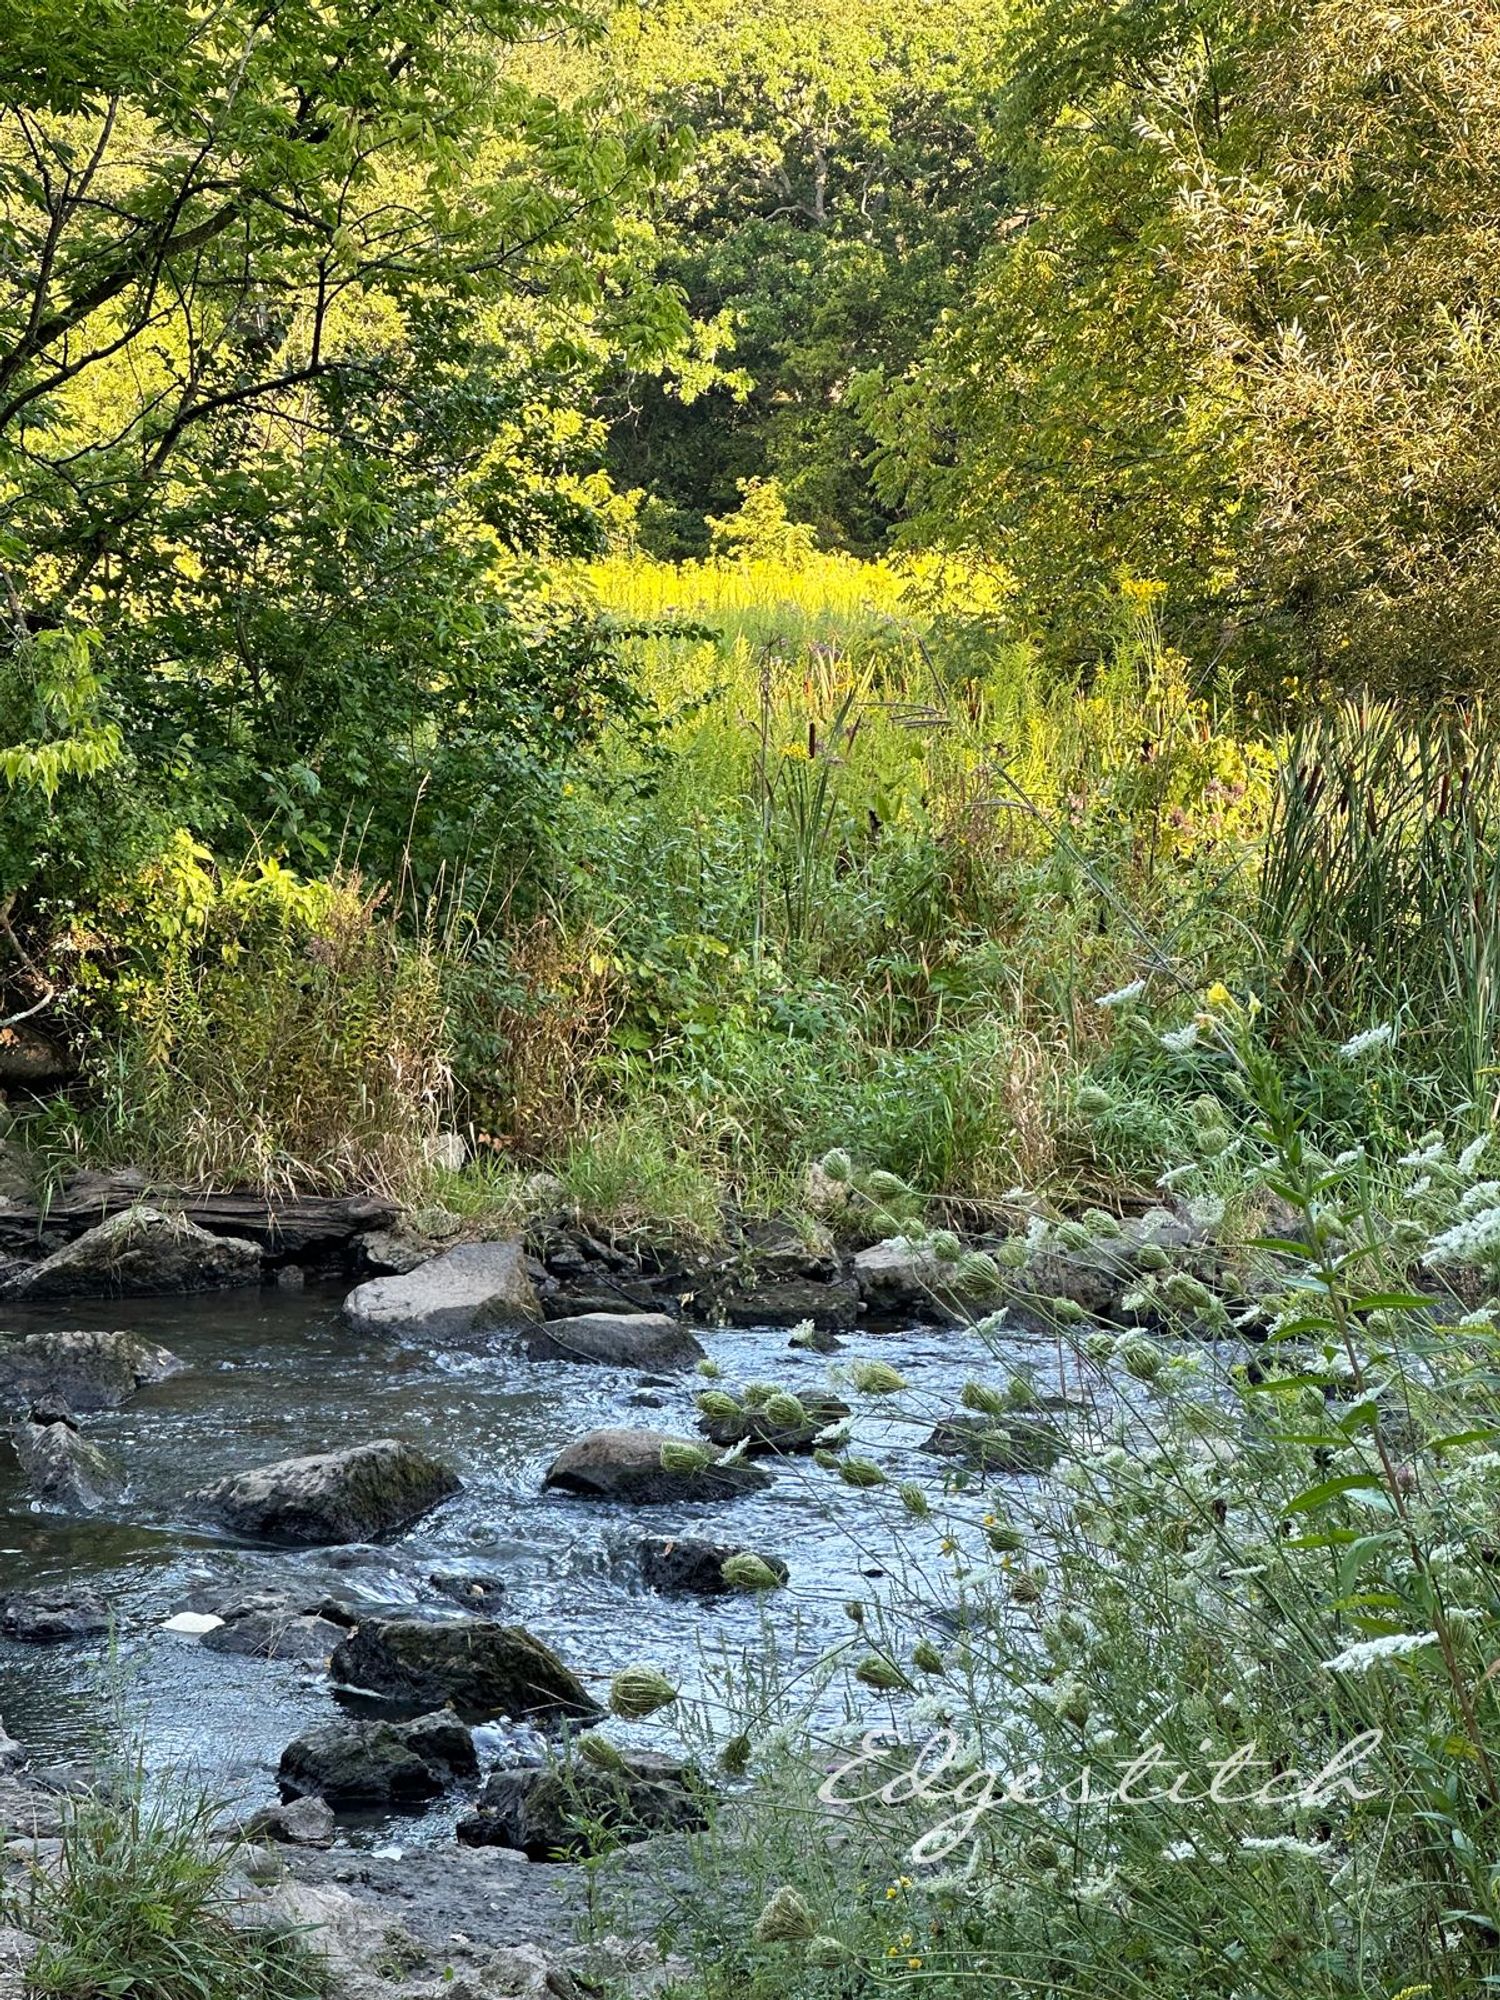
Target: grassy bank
(861,879)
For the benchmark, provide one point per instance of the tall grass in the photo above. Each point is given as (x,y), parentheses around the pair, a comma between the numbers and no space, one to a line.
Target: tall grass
(1380,886)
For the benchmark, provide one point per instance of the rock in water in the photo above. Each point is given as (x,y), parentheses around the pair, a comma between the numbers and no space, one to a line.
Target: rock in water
(282,1634)
(762,1432)
(997,1444)
(470,1289)
(555,1810)
(52,1616)
(61,1468)
(681,1566)
(615,1340)
(300,1822)
(482,1667)
(902,1280)
(358,1495)
(626,1465)
(89,1371)
(378,1763)
(139,1252)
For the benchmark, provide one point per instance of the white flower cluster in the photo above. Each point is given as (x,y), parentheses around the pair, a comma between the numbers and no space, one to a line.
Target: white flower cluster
(1284,1843)
(1368,1043)
(1468,1242)
(1178,1041)
(1472,1154)
(1123,995)
(1367,1653)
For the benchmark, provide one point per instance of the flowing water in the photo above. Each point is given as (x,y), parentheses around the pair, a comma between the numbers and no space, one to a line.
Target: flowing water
(272,1374)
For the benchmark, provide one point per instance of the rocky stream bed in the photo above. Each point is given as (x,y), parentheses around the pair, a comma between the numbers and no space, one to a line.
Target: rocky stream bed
(282,1530)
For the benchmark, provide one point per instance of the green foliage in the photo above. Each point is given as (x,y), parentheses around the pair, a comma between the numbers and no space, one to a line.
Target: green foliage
(140,1908)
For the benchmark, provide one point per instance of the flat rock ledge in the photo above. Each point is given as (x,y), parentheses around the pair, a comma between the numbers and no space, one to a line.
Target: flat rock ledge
(360,1495)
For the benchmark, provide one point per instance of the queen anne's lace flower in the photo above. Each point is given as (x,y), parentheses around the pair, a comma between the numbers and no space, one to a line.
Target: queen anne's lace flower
(1367,1653)
(1178,1041)
(1123,995)
(1467,1242)
(1367,1043)
(1473,1153)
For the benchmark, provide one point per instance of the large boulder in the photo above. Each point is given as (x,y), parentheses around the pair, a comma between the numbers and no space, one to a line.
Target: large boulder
(86,1370)
(898,1279)
(626,1465)
(52,1616)
(139,1252)
(560,1810)
(615,1340)
(762,1431)
(353,1763)
(470,1289)
(481,1667)
(63,1469)
(680,1566)
(359,1495)
(301,1822)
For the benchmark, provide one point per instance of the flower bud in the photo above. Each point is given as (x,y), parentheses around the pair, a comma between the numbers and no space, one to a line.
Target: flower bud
(637,1692)
(747,1571)
(786,1919)
(685,1459)
(786,1411)
(876,1378)
(861,1472)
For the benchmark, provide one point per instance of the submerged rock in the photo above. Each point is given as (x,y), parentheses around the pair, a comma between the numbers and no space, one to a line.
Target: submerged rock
(52,1616)
(87,1370)
(997,1444)
(282,1633)
(137,1253)
(358,1495)
(558,1809)
(301,1822)
(378,1763)
(764,1431)
(627,1465)
(470,1289)
(614,1340)
(681,1566)
(63,1469)
(481,1667)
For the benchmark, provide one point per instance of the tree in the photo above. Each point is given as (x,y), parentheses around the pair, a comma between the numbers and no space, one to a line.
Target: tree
(295,304)
(1237,337)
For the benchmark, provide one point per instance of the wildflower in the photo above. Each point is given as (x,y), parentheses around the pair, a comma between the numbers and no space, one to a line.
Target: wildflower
(1467,1242)
(861,1472)
(914,1500)
(1179,1850)
(976,1272)
(825,1952)
(881,1674)
(717,1404)
(1139,1356)
(876,1378)
(1092,1101)
(1483,1194)
(747,1571)
(786,1919)
(735,1756)
(1366,1653)
(837,1165)
(1123,995)
(980,1396)
(1366,1044)
(926,1657)
(1283,1843)
(785,1411)
(637,1692)
(1178,1041)
(683,1458)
